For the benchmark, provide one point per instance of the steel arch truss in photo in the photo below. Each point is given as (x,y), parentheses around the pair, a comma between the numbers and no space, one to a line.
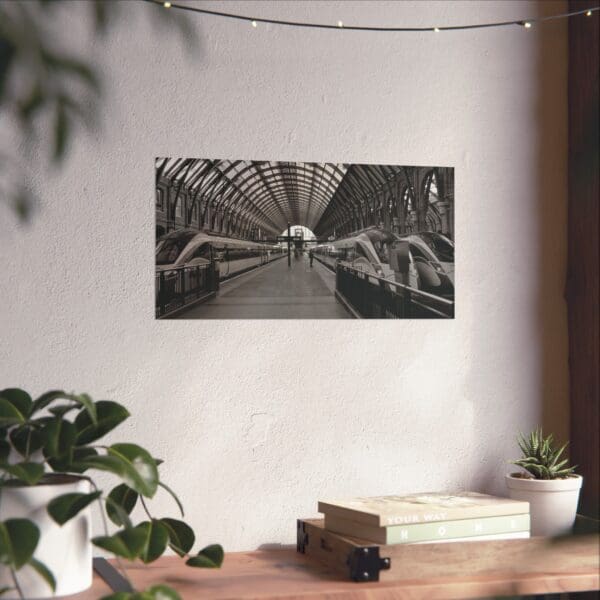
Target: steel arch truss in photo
(383,233)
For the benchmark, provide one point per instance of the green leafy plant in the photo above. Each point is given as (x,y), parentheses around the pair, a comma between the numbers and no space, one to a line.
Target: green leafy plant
(49,93)
(57,435)
(541,458)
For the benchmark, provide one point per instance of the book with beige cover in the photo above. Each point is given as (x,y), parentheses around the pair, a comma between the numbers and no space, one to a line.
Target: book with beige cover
(385,511)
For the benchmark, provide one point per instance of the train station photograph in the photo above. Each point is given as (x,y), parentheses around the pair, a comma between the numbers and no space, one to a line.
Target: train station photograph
(242,239)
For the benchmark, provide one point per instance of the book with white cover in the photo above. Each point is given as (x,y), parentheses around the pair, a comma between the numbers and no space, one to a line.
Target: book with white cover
(384,511)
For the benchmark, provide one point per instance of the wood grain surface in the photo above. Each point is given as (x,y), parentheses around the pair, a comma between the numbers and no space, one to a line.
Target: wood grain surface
(285,574)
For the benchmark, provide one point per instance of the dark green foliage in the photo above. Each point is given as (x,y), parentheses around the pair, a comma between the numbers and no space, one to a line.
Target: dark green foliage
(109,415)
(121,497)
(18,541)
(127,543)
(43,572)
(157,538)
(10,414)
(59,438)
(25,472)
(156,592)
(20,399)
(58,427)
(181,536)
(64,508)
(46,88)
(26,440)
(140,472)
(210,557)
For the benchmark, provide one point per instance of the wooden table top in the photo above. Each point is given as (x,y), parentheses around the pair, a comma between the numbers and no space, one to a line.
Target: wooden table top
(285,574)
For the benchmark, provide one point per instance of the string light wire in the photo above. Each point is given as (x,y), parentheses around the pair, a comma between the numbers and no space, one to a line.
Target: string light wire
(527,23)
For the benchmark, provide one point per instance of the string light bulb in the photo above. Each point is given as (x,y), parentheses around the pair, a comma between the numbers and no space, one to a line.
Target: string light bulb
(527,24)
(588,13)
(167,4)
(340,24)
(436,29)
(254,24)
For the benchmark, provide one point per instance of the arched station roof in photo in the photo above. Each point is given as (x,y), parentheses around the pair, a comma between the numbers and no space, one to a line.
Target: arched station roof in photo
(239,198)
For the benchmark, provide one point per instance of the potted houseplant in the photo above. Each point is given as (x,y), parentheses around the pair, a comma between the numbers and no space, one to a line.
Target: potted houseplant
(50,448)
(549,484)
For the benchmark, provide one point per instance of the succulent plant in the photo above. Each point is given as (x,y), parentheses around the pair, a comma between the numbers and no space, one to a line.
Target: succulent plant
(541,458)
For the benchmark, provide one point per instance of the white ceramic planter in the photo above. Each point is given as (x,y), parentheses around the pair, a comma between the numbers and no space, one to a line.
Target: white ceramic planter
(552,502)
(66,550)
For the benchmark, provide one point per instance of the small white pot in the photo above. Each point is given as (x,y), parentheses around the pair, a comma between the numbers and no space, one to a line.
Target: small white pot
(552,502)
(66,550)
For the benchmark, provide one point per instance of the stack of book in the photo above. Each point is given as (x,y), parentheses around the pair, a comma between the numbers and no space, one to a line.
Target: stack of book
(428,518)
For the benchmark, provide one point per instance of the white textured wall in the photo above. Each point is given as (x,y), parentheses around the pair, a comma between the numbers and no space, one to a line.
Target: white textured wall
(256,420)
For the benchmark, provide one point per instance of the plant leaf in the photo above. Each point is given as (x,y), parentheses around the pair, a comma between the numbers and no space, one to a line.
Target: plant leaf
(128,543)
(29,105)
(181,535)
(44,572)
(156,592)
(137,476)
(123,497)
(88,404)
(75,67)
(20,399)
(4,451)
(18,541)
(118,513)
(163,592)
(82,400)
(9,413)
(60,436)
(103,463)
(174,496)
(26,440)
(72,462)
(47,398)
(28,472)
(61,131)
(141,473)
(157,537)
(540,457)
(210,557)
(109,415)
(65,507)
(62,409)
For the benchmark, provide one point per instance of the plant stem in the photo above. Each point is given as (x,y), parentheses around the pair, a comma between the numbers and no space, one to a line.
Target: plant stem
(145,507)
(28,446)
(107,533)
(16,582)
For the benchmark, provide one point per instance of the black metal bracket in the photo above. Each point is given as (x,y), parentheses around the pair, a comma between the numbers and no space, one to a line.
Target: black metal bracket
(365,563)
(301,537)
(115,581)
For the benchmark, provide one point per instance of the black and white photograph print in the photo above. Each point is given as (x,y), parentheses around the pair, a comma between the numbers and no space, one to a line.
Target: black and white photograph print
(242,239)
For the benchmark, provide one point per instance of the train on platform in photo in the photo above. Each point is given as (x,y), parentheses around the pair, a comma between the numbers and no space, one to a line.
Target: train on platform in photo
(190,248)
(431,257)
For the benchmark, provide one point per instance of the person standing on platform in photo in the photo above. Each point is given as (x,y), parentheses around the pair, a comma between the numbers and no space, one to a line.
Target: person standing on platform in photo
(310,257)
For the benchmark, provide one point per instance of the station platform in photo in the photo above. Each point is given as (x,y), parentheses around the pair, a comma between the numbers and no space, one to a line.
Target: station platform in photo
(274,291)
